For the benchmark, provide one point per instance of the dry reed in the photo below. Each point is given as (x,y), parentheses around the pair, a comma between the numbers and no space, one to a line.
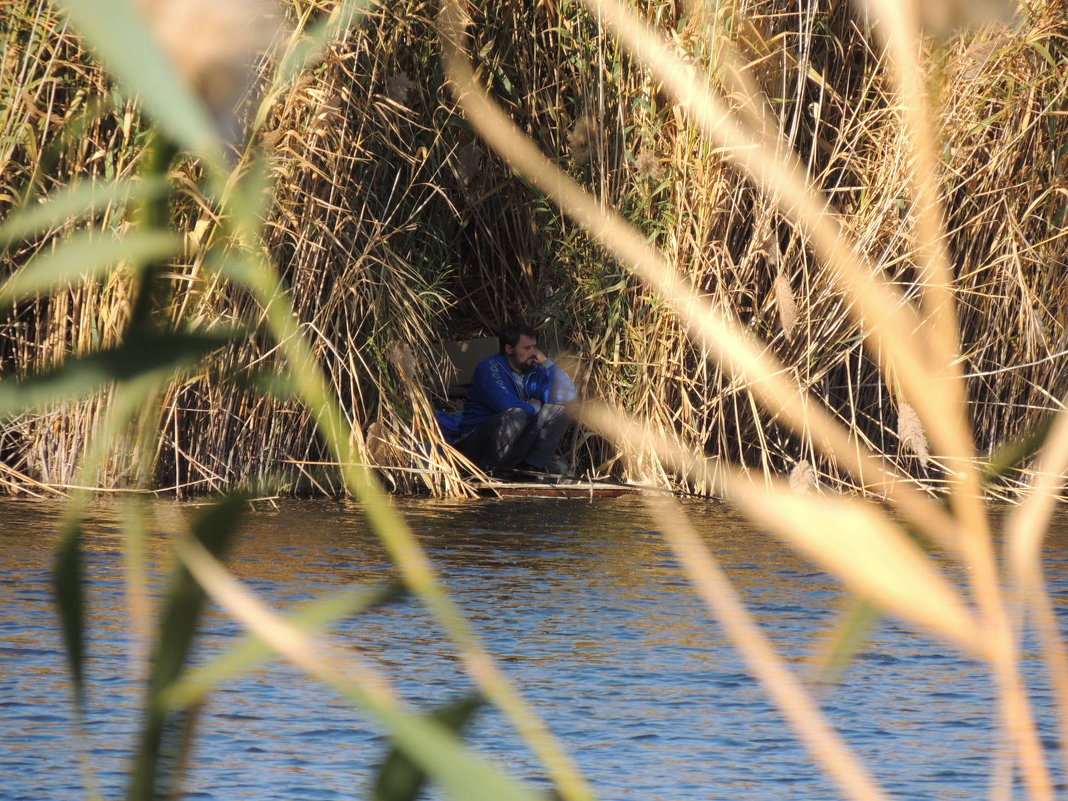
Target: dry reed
(446,244)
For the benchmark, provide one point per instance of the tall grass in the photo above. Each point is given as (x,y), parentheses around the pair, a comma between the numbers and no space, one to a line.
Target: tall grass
(449,243)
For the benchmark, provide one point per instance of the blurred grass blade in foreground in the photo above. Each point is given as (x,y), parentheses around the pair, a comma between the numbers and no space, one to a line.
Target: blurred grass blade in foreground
(158,765)
(122,38)
(401,779)
(151,356)
(80,199)
(428,744)
(68,581)
(251,652)
(86,256)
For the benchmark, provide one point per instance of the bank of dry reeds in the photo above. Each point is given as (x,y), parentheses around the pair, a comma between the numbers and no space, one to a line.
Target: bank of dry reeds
(395,228)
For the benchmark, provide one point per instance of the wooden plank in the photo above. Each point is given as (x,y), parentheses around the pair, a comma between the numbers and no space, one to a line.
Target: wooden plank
(502,489)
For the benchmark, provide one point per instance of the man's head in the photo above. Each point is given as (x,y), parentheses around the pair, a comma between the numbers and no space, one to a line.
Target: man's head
(519,344)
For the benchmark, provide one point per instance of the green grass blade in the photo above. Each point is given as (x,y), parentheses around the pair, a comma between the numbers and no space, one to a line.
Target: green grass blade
(154,355)
(1010,455)
(851,633)
(69,587)
(401,779)
(430,745)
(86,255)
(74,202)
(124,43)
(250,652)
(442,756)
(158,758)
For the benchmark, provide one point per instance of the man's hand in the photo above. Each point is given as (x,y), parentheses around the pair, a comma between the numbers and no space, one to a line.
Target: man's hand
(540,357)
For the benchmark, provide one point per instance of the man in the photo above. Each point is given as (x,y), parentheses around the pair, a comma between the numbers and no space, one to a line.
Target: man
(515,412)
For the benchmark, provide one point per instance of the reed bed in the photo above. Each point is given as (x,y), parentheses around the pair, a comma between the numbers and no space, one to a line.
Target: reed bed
(442,241)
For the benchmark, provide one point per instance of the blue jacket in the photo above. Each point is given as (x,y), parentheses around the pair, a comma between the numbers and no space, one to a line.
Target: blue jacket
(495,388)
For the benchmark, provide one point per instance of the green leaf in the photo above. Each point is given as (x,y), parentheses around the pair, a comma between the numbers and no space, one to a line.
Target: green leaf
(401,779)
(250,652)
(273,384)
(86,255)
(69,587)
(851,633)
(1008,456)
(441,755)
(252,196)
(123,41)
(76,201)
(155,356)
(157,764)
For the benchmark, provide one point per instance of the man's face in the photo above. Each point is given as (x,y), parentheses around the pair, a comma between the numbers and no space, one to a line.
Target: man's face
(523,356)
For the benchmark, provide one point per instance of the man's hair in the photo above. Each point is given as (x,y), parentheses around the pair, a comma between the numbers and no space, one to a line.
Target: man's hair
(510,334)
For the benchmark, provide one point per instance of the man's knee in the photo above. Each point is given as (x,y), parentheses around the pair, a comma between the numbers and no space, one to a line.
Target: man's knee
(552,411)
(511,421)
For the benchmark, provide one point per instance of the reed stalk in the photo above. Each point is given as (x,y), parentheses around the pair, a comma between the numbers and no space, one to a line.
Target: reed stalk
(447,246)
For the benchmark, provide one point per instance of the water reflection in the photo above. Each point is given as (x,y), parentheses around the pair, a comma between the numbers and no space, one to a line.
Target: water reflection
(582,603)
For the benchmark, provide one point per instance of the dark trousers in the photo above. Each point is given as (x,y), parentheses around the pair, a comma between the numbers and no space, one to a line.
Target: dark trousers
(509,438)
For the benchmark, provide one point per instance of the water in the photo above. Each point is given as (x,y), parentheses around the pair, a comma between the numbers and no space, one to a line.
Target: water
(582,604)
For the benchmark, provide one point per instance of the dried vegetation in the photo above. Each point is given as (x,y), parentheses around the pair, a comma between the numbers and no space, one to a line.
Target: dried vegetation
(396,229)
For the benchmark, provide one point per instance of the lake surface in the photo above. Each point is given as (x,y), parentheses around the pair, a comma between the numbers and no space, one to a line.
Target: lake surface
(587,612)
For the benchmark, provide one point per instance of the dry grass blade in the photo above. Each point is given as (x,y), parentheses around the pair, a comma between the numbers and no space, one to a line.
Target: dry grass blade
(715,589)
(762,374)
(857,543)
(893,325)
(903,43)
(850,539)
(1025,530)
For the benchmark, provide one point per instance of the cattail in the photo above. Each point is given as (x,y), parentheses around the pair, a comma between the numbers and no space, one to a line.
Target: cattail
(945,17)
(803,477)
(785,303)
(328,114)
(910,433)
(213,44)
(469,162)
(581,139)
(399,87)
(648,165)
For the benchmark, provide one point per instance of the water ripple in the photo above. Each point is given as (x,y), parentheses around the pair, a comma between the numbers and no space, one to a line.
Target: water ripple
(588,613)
